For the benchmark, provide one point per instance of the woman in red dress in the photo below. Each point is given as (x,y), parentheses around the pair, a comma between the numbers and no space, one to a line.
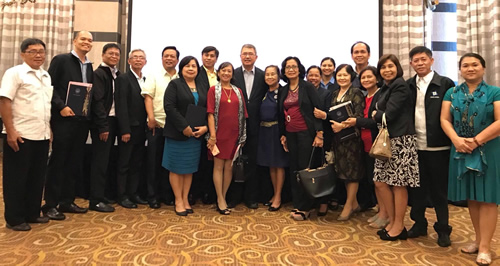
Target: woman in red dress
(227,129)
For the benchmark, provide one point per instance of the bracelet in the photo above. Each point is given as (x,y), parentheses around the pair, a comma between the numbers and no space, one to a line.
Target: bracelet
(321,138)
(477,143)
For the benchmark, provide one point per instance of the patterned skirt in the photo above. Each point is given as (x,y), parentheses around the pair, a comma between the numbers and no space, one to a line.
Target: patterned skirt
(402,169)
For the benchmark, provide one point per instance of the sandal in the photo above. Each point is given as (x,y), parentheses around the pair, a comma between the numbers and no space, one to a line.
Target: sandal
(292,212)
(302,216)
(379,223)
(470,249)
(373,218)
(333,206)
(483,259)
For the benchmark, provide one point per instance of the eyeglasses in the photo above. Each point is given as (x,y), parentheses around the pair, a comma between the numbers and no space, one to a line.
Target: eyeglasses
(135,57)
(113,54)
(35,52)
(248,54)
(291,67)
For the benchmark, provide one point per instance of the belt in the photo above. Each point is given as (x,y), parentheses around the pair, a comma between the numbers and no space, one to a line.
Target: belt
(268,124)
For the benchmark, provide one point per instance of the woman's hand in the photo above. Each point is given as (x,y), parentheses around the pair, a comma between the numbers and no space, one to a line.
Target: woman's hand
(471,143)
(283,142)
(211,142)
(337,127)
(319,114)
(463,146)
(318,141)
(350,122)
(200,131)
(374,112)
(188,132)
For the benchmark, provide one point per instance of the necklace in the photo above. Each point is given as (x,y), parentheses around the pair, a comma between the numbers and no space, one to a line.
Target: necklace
(368,95)
(228,96)
(296,88)
(193,89)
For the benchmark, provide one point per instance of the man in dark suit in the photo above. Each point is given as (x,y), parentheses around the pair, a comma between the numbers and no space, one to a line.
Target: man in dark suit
(131,115)
(203,184)
(103,126)
(69,131)
(428,89)
(250,80)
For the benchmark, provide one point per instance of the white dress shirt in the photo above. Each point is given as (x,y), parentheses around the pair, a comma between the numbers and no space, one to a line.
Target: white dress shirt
(155,87)
(249,77)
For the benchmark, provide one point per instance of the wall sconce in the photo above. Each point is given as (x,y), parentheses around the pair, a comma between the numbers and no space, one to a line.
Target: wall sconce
(13,2)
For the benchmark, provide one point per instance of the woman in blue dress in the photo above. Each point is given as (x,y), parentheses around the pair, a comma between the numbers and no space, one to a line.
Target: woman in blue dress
(470,116)
(270,152)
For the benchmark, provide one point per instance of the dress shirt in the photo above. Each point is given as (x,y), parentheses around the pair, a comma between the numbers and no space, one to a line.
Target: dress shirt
(249,76)
(155,87)
(212,77)
(325,86)
(140,80)
(420,120)
(31,92)
(82,66)
(113,70)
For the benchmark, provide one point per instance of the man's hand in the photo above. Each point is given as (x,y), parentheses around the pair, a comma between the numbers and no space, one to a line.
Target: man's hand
(152,124)
(66,111)
(12,139)
(126,137)
(104,136)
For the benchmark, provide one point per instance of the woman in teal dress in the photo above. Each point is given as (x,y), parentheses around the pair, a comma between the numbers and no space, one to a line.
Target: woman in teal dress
(470,116)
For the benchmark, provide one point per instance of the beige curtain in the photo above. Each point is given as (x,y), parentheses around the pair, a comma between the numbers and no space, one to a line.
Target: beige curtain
(478,28)
(403,29)
(48,20)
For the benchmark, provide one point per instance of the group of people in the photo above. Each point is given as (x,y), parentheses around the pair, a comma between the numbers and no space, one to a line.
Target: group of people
(431,123)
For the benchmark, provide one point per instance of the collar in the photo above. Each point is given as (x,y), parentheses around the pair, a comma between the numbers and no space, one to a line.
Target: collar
(165,73)
(87,61)
(244,70)
(26,69)
(427,78)
(208,72)
(136,76)
(113,69)
(331,81)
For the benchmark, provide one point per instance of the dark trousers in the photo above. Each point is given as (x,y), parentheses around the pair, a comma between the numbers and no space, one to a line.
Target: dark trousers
(366,191)
(130,160)
(99,169)
(203,180)
(23,178)
(66,160)
(158,185)
(300,149)
(433,167)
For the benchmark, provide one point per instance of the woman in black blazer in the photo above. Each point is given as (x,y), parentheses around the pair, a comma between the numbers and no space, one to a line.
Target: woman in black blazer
(299,129)
(401,170)
(181,154)
(369,131)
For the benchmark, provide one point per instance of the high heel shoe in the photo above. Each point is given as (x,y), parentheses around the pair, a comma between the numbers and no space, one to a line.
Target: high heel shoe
(225,211)
(402,236)
(273,209)
(182,213)
(373,218)
(379,223)
(268,204)
(302,216)
(381,232)
(189,211)
(345,218)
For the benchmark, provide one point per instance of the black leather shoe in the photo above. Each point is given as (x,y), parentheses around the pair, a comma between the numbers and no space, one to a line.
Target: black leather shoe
(189,211)
(126,203)
(381,232)
(154,204)
(182,213)
(19,227)
(137,200)
(101,207)
(232,204)
(208,199)
(402,236)
(53,214)
(443,232)
(252,205)
(38,220)
(71,208)
(109,201)
(169,202)
(191,199)
(417,230)
(274,209)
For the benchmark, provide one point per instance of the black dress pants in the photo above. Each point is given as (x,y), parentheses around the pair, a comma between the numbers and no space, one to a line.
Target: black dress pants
(249,190)
(158,184)
(433,167)
(130,158)
(23,178)
(203,180)
(66,160)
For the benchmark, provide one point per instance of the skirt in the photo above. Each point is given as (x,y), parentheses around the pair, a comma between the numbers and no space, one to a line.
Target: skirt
(401,169)
(181,156)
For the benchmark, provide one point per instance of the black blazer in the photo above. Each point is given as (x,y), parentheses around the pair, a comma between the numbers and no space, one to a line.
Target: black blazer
(202,79)
(308,99)
(397,103)
(63,69)
(129,103)
(102,97)
(369,123)
(253,101)
(176,100)
(433,100)
(325,97)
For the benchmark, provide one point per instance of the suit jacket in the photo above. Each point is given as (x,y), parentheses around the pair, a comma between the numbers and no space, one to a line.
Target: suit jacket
(178,97)
(202,79)
(63,69)
(254,100)
(433,100)
(102,97)
(308,99)
(129,103)
(397,103)
(369,122)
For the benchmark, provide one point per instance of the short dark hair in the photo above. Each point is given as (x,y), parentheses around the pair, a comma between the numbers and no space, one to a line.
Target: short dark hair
(419,50)
(367,46)
(312,67)
(209,49)
(395,60)
(275,67)
(171,48)
(349,70)
(30,41)
(224,65)
(109,46)
(186,61)
(328,58)
(302,69)
(477,56)
(369,68)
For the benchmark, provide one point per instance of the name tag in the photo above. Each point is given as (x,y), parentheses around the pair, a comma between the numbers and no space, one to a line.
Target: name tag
(434,95)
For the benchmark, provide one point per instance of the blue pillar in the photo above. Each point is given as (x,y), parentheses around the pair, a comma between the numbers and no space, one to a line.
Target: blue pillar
(444,39)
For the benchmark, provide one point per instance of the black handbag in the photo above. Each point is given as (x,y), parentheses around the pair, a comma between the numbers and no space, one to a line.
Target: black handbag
(239,167)
(317,182)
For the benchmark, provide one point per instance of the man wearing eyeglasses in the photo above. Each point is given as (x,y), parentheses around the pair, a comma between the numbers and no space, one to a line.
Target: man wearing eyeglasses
(131,114)
(69,130)
(25,96)
(104,125)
